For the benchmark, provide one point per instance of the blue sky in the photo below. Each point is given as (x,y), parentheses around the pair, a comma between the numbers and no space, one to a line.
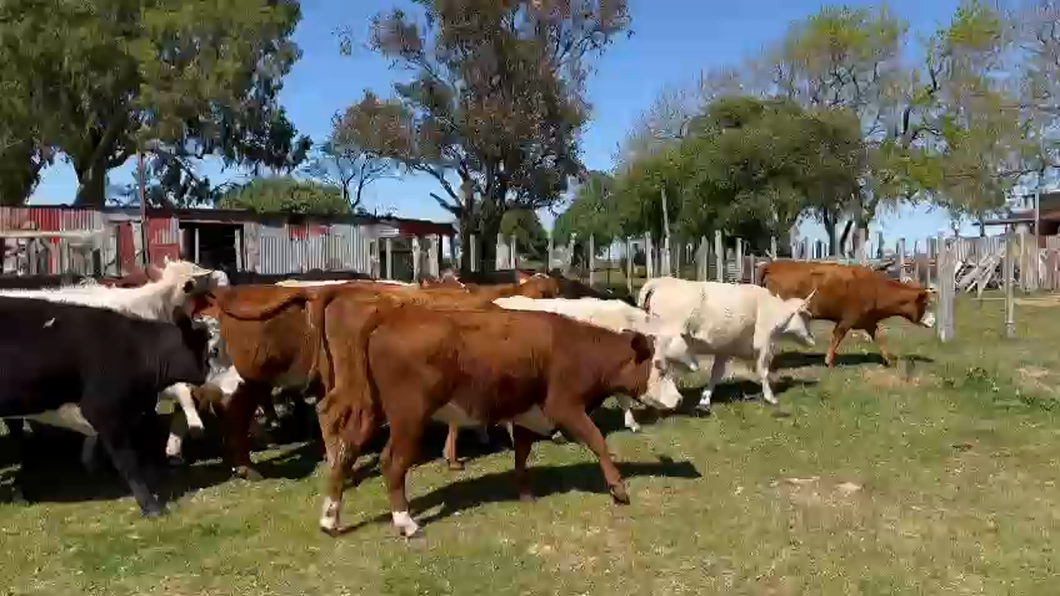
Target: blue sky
(673,40)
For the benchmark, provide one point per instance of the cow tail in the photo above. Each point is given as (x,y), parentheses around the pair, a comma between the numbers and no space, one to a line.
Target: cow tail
(317,308)
(644,296)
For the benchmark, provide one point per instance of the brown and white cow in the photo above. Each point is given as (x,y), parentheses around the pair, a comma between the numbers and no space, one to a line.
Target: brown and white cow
(410,364)
(268,336)
(851,296)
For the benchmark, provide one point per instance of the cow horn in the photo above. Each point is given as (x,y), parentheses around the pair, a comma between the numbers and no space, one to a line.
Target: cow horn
(806,301)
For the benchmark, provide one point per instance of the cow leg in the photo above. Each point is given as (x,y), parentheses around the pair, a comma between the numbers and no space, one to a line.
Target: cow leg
(522,440)
(178,428)
(578,423)
(113,429)
(363,421)
(187,404)
(450,448)
(877,336)
(483,435)
(838,333)
(717,370)
(626,403)
(238,413)
(400,454)
(268,408)
(765,358)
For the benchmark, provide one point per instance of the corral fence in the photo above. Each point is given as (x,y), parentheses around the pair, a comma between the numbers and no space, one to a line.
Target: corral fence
(946,265)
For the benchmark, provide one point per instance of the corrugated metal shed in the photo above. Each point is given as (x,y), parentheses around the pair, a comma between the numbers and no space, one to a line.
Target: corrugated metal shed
(293,248)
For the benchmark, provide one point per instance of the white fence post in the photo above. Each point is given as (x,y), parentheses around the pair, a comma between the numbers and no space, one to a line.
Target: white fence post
(1009,269)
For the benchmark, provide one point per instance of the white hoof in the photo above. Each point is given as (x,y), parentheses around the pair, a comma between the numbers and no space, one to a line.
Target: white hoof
(329,515)
(404,523)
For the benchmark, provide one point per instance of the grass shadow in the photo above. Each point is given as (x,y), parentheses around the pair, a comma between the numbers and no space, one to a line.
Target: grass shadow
(467,494)
(795,360)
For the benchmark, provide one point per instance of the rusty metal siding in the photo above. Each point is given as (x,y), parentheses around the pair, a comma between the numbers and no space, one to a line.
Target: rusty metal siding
(56,255)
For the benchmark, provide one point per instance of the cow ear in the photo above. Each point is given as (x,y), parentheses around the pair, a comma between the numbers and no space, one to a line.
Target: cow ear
(642,346)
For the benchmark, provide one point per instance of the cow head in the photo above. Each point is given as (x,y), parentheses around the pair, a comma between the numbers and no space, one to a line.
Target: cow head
(794,321)
(188,277)
(187,354)
(922,312)
(660,390)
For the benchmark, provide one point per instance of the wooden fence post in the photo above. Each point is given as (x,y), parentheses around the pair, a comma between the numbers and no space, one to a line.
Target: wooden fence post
(772,247)
(551,250)
(703,260)
(473,250)
(901,258)
(947,263)
(1009,269)
(390,258)
(719,256)
(739,260)
(570,252)
(649,259)
(415,258)
(629,265)
(433,249)
(862,250)
(592,260)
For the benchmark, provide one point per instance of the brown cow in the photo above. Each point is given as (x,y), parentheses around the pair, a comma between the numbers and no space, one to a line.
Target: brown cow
(270,339)
(412,364)
(851,296)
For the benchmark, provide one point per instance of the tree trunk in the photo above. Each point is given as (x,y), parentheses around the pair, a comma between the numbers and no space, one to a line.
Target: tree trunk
(92,184)
(466,232)
(490,227)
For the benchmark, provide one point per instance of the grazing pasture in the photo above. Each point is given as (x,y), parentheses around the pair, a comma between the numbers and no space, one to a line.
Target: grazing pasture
(938,476)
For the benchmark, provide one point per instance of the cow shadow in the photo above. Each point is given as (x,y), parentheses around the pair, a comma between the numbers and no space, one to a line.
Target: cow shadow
(545,481)
(796,360)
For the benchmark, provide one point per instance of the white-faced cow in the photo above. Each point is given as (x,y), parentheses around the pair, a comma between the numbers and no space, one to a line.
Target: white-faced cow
(728,321)
(111,366)
(670,346)
(412,363)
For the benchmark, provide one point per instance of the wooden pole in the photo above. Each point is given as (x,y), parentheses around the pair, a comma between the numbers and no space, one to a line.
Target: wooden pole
(629,265)
(551,249)
(415,258)
(703,262)
(592,260)
(144,240)
(473,250)
(901,258)
(1010,307)
(390,258)
(772,247)
(739,260)
(947,289)
(719,256)
(649,260)
(513,256)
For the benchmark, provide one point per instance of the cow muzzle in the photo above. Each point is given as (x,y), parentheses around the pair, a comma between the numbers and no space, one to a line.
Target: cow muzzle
(928,320)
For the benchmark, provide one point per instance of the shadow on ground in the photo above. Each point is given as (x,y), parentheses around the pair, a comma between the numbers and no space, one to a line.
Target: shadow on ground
(467,494)
(795,360)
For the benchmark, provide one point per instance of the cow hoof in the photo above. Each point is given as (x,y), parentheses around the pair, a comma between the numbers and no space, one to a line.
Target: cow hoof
(196,431)
(559,438)
(527,498)
(619,494)
(247,473)
(152,512)
(455,466)
(333,532)
(175,461)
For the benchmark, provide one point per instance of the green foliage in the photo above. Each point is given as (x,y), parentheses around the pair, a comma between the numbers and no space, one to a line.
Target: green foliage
(749,168)
(530,235)
(284,194)
(592,213)
(496,97)
(101,79)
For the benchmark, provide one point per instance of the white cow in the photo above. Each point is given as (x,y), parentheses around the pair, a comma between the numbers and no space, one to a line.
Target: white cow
(728,321)
(670,347)
(156,300)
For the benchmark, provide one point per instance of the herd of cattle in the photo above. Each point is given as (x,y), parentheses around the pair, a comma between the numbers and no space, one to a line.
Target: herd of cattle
(537,355)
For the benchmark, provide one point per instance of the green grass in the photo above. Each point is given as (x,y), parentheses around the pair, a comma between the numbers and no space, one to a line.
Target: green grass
(860,482)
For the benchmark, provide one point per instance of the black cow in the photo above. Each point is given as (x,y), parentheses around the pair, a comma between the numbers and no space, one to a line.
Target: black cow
(111,365)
